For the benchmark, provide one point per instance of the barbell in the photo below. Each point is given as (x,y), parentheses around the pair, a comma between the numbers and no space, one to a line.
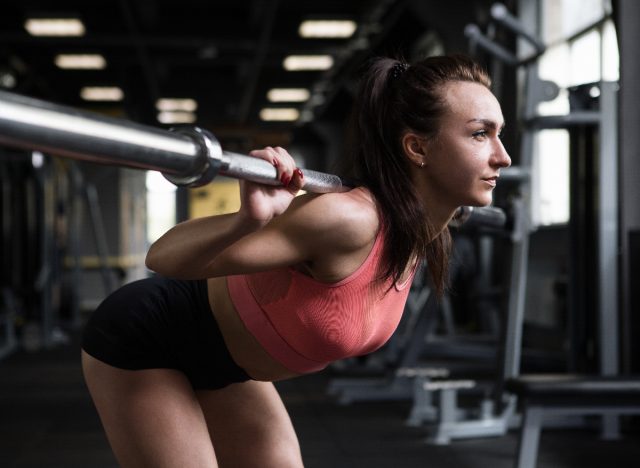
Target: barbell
(187,156)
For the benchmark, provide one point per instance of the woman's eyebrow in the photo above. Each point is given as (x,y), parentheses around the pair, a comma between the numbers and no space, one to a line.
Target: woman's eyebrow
(488,123)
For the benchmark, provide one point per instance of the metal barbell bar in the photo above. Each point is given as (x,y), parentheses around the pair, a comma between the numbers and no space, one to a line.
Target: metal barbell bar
(187,156)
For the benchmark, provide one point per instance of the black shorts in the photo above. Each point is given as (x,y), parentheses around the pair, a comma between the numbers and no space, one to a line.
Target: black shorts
(162,323)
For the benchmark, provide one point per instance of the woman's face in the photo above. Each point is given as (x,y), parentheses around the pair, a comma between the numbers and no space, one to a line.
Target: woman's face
(463,161)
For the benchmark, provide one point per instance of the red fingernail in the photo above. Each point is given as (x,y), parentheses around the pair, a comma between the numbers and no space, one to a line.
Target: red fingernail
(285,179)
(299,172)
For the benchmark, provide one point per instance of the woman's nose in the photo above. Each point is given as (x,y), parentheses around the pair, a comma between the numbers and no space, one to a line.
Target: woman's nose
(501,157)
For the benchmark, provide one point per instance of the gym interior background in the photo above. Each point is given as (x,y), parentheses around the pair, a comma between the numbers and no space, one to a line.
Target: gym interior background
(553,291)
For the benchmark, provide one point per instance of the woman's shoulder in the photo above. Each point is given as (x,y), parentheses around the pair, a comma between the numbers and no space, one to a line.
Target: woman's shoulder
(356,198)
(351,217)
(356,206)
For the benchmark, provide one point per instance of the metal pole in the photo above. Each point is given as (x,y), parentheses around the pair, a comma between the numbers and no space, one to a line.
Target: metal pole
(186,157)
(39,125)
(608,246)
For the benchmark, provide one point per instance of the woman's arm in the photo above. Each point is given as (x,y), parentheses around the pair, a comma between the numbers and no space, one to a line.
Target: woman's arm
(271,230)
(185,250)
(330,233)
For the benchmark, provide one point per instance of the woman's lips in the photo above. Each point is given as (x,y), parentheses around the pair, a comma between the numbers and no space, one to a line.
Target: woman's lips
(492,181)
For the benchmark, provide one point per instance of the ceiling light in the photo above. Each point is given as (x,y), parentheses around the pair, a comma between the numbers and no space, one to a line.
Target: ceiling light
(175,104)
(54,27)
(327,28)
(282,114)
(307,62)
(288,95)
(80,61)
(101,93)
(171,117)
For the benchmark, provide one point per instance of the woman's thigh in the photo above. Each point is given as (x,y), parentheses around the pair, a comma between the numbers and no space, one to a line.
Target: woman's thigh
(152,417)
(250,426)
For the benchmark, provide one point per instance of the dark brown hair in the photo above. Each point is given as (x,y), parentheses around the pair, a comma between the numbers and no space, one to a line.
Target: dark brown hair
(395,98)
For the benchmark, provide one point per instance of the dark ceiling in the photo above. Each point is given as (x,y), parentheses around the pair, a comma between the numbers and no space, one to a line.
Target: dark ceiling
(224,54)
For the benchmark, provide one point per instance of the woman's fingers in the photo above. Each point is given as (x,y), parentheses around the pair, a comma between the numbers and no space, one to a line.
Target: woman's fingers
(284,164)
(297,181)
(266,154)
(263,202)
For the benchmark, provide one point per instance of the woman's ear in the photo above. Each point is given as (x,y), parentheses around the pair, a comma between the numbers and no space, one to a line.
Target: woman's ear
(415,147)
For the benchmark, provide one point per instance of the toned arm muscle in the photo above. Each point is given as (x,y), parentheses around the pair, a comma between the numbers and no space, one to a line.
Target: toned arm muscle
(314,228)
(184,251)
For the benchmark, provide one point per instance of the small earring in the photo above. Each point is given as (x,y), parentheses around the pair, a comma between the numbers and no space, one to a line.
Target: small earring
(421,164)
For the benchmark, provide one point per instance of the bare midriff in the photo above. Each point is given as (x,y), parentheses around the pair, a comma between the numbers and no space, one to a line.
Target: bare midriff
(244,348)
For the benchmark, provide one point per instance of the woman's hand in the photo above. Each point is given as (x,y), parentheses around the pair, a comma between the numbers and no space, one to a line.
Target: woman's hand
(261,203)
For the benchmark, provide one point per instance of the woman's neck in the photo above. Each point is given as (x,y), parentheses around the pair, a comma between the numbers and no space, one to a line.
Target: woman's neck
(440,212)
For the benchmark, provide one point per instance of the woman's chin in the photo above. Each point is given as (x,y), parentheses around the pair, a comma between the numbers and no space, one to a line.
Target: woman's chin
(480,201)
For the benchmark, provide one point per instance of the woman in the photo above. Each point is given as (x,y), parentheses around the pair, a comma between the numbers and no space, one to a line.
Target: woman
(180,369)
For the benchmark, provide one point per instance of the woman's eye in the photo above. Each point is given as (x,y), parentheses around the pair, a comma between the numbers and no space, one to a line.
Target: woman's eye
(479,134)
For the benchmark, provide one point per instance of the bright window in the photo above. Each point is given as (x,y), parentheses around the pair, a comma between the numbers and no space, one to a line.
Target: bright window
(588,58)
(161,205)
(550,188)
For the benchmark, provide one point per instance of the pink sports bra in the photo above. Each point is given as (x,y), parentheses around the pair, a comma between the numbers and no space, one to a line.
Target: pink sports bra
(305,324)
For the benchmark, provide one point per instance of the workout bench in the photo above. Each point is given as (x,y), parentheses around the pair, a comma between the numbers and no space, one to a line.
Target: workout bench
(561,394)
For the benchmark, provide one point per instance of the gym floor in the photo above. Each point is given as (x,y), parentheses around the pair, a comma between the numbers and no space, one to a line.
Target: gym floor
(47,421)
